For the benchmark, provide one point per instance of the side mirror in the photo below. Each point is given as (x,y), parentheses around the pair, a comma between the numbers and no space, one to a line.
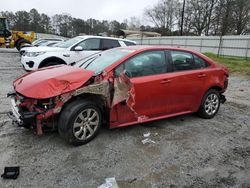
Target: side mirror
(78,48)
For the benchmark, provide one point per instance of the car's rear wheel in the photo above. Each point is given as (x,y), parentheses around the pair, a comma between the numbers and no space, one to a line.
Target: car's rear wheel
(210,104)
(80,122)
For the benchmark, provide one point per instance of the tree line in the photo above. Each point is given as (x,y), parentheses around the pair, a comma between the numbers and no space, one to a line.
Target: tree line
(60,24)
(207,17)
(201,17)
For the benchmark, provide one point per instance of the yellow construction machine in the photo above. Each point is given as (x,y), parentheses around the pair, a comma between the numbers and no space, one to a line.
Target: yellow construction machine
(11,39)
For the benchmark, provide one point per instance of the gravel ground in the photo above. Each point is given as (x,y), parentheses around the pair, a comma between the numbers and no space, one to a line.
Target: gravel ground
(187,151)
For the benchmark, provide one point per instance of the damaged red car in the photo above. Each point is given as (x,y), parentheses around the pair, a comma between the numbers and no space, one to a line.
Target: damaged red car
(118,87)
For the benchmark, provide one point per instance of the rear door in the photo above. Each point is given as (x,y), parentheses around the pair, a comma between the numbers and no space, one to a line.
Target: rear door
(188,79)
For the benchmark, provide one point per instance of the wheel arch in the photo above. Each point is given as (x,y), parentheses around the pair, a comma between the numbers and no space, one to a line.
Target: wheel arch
(97,99)
(216,87)
(52,59)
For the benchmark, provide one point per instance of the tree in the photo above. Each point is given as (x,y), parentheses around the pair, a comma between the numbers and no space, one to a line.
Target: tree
(22,21)
(45,23)
(241,15)
(163,14)
(226,17)
(35,20)
(201,15)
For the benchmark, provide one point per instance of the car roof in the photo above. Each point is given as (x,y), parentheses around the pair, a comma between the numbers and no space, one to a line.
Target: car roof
(157,47)
(101,37)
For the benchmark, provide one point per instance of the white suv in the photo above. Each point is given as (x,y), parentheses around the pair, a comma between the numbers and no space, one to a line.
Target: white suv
(69,52)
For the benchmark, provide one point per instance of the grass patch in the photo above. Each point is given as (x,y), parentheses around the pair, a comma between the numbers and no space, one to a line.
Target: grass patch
(234,64)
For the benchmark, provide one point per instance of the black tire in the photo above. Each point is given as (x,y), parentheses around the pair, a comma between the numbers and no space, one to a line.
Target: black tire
(210,104)
(50,64)
(20,43)
(69,122)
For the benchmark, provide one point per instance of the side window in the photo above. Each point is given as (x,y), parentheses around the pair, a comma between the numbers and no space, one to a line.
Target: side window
(129,43)
(90,44)
(200,63)
(148,63)
(186,61)
(182,61)
(108,43)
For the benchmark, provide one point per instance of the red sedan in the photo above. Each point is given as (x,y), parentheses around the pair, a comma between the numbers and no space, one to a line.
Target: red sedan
(118,87)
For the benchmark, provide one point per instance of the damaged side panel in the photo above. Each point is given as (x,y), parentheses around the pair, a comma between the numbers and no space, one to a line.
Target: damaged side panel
(123,104)
(118,94)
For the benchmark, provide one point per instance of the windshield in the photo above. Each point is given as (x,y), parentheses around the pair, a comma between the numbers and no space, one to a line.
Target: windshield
(98,62)
(69,42)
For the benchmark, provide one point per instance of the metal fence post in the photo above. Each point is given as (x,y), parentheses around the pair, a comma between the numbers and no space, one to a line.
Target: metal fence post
(201,45)
(247,47)
(220,46)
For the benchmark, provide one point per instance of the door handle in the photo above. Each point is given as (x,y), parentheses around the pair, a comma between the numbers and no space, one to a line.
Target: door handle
(201,75)
(66,55)
(165,81)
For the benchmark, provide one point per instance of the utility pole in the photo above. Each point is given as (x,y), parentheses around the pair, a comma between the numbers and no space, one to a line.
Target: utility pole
(182,16)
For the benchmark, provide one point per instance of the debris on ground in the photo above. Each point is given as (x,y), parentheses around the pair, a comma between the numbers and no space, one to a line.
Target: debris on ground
(109,183)
(148,141)
(146,135)
(11,172)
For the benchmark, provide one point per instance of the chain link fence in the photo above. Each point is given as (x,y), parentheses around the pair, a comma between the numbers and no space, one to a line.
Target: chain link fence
(237,45)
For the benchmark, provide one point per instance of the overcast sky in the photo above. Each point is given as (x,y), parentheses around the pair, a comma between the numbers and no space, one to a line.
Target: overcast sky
(84,9)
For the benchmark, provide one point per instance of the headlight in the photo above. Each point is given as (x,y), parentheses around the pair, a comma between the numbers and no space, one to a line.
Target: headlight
(34,54)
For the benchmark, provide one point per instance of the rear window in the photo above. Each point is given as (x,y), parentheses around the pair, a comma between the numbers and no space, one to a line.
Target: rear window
(108,43)
(129,43)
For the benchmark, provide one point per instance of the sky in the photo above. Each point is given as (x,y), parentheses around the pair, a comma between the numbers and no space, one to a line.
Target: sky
(97,9)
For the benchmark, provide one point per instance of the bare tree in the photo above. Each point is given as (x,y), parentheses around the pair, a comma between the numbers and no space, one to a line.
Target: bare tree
(241,15)
(210,15)
(163,14)
(200,14)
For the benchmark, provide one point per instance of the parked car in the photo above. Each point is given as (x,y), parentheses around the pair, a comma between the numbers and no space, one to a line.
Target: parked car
(69,51)
(118,87)
(40,42)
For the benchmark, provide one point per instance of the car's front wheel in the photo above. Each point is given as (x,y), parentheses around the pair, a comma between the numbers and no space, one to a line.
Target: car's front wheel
(80,122)
(210,104)
(51,64)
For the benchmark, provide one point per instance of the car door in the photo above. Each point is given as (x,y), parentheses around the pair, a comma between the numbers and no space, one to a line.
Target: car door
(89,47)
(188,79)
(147,72)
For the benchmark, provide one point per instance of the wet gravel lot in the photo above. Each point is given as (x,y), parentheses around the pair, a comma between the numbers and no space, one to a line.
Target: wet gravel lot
(186,151)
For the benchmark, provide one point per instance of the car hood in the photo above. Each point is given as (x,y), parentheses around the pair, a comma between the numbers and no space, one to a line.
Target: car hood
(52,81)
(44,49)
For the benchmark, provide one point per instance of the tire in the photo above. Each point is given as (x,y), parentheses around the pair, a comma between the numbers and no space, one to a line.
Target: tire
(72,125)
(20,43)
(210,104)
(50,64)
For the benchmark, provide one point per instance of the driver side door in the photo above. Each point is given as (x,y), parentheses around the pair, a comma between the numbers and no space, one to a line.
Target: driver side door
(147,73)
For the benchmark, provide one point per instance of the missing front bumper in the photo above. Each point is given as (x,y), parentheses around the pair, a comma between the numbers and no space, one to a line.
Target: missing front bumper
(14,113)
(19,117)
